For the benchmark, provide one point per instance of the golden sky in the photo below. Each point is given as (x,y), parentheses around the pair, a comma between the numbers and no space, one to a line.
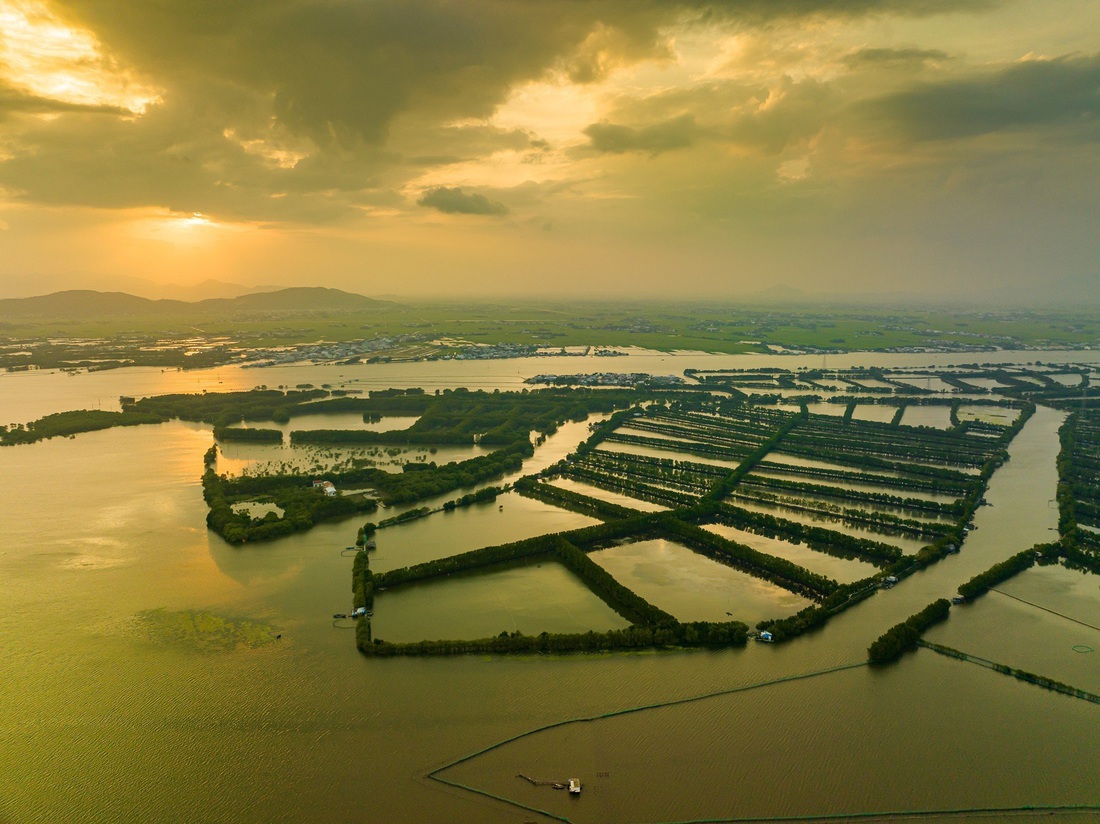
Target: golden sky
(678,148)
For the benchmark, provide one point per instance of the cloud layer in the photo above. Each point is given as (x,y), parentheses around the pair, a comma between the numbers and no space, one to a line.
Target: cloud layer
(761,134)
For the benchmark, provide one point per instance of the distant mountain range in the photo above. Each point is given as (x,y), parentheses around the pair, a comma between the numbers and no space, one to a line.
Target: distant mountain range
(84,303)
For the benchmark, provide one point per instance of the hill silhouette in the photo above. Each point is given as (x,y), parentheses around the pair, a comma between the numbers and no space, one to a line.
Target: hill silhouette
(79,304)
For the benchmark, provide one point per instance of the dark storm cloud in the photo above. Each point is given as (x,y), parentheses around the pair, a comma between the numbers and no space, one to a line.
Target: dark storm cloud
(874,58)
(357,90)
(660,137)
(763,118)
(454,201)
(1036,93)
(341,71)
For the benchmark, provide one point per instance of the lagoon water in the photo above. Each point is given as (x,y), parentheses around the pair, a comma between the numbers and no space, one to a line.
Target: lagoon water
(110,715)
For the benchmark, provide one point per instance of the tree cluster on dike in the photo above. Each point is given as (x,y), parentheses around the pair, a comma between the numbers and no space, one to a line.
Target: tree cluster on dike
(404,517)
(840,494)
(302,506)
(695,479)
(953,536)
(703,450)
(573,501)
(882,433)
(603,430)
(684,485)
(628,486)
(672,468)
(623,600)
(980,583)
(590,537)
(474,559)
(224,408)
(905,635)
(695,634)
(461,416)
(1079,479)
(881,522)
(815,537)
(380,403)
(968,453)
(725,487)
(1086,559)
(415,482)
(1023,675)
(815,615)
(362,581)
(779,571)
(746,424)
(729,435)
(955,487)
(63,424)
(252,435)
(880,454)
(484,495)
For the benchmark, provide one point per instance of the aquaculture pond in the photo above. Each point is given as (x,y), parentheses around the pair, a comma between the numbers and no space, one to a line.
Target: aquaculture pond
(841,570)
(155,673)
(938,417)
(692,587)
(540,596)
(1046,620)
(607,495)
(510,517)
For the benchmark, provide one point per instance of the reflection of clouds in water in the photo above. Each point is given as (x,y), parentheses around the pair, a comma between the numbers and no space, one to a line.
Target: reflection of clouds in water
(93,552)
(281,563)
(82,562)
(693,587)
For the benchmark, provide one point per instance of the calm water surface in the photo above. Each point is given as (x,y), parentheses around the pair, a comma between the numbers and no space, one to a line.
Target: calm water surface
(107,717)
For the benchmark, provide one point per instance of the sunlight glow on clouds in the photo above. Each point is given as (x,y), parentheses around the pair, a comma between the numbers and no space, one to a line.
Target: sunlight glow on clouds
(892,144)
(42,55)
(181,229)
(281,157)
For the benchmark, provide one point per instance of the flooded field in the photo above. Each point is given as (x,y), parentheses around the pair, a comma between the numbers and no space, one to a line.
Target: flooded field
(530,598)
(841,570)
(237,459)
(692,587)
(108,716)
(935,416)
(607,495)
(510,517)
(1046,620)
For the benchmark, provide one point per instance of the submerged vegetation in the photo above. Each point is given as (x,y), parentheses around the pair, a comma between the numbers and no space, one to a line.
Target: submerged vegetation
(204,631)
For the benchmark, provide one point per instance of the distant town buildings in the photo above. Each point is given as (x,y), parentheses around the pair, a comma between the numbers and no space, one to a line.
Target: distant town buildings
(608,379)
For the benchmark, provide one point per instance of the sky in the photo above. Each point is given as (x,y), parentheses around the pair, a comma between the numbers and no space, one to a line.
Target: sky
(553,148)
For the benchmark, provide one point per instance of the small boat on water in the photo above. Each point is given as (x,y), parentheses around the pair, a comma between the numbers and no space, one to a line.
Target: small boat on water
(575,786)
